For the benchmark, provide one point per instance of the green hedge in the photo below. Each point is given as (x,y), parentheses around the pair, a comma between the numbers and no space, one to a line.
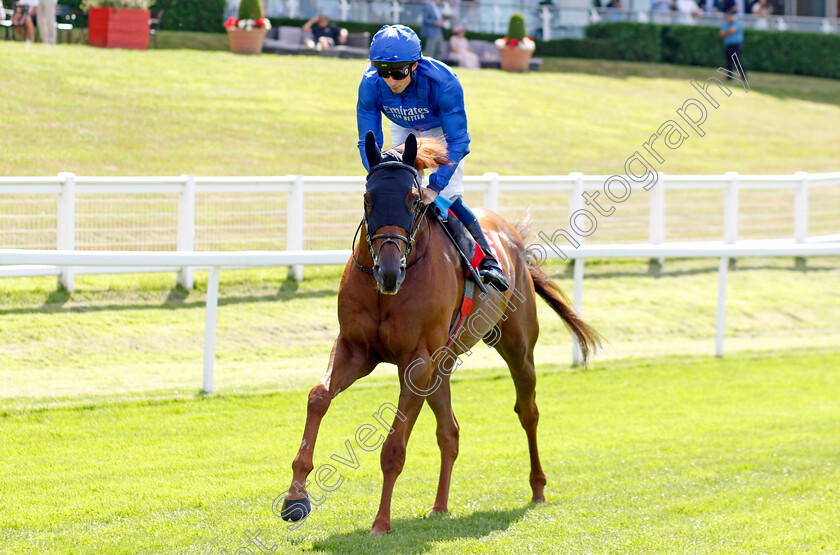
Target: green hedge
(191,15)
(812,54)
(634,41)
(578,48)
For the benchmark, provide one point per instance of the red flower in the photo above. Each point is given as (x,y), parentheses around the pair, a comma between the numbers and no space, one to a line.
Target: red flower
(261,22)
(512,43)
(231,22)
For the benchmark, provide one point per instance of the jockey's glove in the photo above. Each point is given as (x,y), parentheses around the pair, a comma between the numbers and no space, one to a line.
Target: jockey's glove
(442,205)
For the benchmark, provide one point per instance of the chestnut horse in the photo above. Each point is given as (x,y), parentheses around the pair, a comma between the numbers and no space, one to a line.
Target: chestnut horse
(398,298)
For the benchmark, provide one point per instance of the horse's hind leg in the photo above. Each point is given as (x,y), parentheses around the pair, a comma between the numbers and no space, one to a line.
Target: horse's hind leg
(347,364)
(447,438)
(516,345)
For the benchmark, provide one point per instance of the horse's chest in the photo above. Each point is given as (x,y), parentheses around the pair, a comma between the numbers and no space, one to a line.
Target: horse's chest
(396,332)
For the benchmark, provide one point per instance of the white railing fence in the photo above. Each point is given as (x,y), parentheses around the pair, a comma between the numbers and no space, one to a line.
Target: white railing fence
(306,213)
(218,260)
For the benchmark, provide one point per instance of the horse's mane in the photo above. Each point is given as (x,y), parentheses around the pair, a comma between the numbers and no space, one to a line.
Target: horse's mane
(431,153)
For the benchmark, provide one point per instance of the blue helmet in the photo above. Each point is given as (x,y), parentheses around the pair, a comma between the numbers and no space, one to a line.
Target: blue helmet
(394,45)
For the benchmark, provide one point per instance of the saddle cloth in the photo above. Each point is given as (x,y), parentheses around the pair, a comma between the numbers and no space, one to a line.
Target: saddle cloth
(464,241)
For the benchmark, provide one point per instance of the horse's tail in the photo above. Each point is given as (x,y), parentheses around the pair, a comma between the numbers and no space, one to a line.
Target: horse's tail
(588,338)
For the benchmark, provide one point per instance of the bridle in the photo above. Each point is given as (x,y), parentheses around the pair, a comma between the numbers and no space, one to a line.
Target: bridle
(417,218)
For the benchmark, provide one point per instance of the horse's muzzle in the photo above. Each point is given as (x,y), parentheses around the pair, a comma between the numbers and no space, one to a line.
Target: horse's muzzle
(388,280)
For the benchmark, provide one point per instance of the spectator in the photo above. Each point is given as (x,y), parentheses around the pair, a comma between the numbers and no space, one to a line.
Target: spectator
(615,10)
(25,18)
(762,7)
(432,29)
(325,35)
(732,32)
(688,11)
(662,5)
(459,48)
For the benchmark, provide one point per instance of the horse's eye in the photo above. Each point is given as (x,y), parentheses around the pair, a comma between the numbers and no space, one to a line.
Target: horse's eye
(414,202)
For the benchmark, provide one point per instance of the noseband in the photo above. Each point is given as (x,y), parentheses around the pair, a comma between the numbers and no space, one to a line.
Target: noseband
(392,237)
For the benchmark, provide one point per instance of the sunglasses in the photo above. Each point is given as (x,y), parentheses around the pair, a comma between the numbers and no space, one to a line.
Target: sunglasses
(399,74)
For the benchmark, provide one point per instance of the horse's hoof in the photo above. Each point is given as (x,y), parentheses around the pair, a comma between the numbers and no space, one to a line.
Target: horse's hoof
(434,512)
(538,499)
(380,527)
(295,509)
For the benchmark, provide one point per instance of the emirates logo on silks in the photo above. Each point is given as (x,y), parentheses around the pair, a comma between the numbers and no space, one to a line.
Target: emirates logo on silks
(406,114)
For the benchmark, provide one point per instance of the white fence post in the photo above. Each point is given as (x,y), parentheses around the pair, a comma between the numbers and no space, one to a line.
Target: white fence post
(491,193)
(294,223)
(186,228)
(545,16)
(800,215)
(210,329)
(730,214)
(66,226)
(395,12)
(657,214)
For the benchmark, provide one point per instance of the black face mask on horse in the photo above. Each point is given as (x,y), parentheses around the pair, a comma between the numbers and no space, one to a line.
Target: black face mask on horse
(392,200)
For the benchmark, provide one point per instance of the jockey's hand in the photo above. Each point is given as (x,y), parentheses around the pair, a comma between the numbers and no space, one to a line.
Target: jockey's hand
(428,195)
(442,205)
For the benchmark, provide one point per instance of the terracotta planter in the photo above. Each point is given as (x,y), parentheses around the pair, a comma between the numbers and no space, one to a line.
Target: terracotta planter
(118,28)
(515,59)
(246,42)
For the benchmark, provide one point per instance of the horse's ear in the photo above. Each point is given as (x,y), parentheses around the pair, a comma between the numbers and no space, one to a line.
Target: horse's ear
(374,156)
(410,150)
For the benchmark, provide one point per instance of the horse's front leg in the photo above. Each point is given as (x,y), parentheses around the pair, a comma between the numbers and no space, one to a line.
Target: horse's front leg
(447,437)
(415,377)
(347,364)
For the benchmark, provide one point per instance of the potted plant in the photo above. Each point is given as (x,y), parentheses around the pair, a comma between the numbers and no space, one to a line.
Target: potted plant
(246,34)
(118,23)
(515,49)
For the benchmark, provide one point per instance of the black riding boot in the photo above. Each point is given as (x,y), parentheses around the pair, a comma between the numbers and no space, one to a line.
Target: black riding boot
(489,269)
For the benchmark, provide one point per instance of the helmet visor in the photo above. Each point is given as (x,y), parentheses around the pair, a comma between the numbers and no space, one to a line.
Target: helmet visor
(391,65)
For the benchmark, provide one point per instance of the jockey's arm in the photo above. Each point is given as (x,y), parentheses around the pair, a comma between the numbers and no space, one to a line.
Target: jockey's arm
(453,118)
(368,117)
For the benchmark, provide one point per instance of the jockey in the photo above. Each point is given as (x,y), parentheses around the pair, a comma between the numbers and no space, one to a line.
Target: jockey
(422,96)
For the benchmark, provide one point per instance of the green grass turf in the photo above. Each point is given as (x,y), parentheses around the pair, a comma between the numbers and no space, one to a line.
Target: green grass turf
(114,112)
(689,454)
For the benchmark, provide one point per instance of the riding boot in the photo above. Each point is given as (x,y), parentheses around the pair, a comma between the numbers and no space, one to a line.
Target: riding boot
(489,269)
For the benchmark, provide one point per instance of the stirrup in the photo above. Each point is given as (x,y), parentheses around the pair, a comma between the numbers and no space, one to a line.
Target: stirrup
(492,274)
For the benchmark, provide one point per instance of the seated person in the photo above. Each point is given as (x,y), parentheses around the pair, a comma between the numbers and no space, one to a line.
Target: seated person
(459,48)
(762,7)
(24,17)
(325,35)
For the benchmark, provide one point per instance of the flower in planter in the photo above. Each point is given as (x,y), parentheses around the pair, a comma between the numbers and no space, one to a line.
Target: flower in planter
(526,43)
(248,24)
(250,17)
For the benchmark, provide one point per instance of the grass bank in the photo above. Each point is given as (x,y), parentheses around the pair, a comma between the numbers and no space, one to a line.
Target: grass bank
(114,112)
